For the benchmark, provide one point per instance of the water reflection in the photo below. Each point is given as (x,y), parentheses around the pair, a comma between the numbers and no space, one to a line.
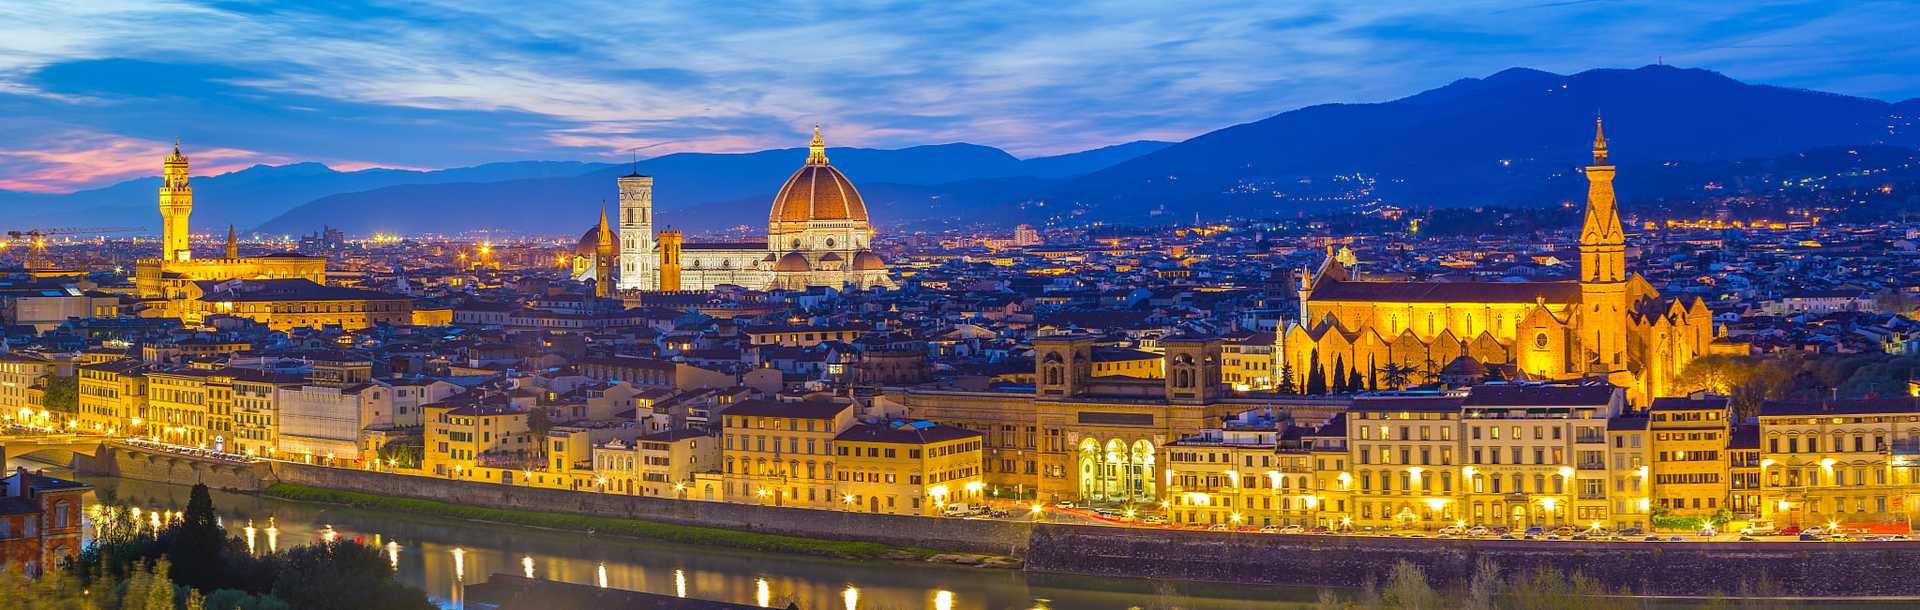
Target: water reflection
(440,556)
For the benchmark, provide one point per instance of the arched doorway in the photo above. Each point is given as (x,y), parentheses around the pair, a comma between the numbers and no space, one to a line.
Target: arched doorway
(1116,471)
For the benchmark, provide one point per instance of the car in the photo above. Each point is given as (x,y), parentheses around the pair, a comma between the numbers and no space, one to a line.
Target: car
(1895,538)
(1650,539)
(1478,531)
(1452,530)
(1153,520)
(1815,530)
(1580,537)
(1064,504)
(1320,529)
(1709,532)
(1535,531)
(1810,537)
(1563,531)
(1746,538)
(1758,527)
(1508,537)
(1269,529)
(1498,531)
(999,514)
(1632,531)
(1217,527)
(1293,529)
(1676,539)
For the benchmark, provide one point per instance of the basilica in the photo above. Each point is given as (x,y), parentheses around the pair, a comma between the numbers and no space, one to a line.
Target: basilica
(1606,324)
(817,235)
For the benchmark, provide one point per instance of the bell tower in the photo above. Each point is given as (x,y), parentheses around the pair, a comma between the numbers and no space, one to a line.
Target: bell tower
(639,268)
(603,256)
(1603,269)
(176,204)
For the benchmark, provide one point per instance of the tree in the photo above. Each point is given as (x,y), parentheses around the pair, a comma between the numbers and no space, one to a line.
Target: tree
(1340,385)
(53,590)
(405,452)
(1483,587)
(198,544)
(539,421)
(160,592)
(343,575)
(1286,385)
(1396,375)
(61,394)
(1373,375)
(1407,588)
(1316,378)
(1354,382)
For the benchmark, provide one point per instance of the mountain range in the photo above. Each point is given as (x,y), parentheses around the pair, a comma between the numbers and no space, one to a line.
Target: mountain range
(1516,137)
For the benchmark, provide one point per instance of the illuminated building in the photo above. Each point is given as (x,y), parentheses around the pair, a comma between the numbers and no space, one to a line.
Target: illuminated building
(41,524)
(1850,462)
(165,281)
(1606,323)
(818,234)
(907,468)
(781,454)
(284,304)
(1689,466)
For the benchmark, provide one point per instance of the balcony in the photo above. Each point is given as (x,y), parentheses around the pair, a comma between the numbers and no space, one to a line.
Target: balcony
(1590,439)
(1592,465)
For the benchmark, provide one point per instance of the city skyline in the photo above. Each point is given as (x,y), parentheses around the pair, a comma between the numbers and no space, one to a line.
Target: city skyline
(93,96)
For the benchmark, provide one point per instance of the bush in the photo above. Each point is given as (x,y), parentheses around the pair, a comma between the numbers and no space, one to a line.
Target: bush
(685,534)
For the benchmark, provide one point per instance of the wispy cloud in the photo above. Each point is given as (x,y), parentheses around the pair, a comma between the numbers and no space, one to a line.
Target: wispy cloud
(452,82)
(78,159)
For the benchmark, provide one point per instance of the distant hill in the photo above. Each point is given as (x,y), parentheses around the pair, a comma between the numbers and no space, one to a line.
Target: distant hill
(704,191)
(1513,138)
(249,196)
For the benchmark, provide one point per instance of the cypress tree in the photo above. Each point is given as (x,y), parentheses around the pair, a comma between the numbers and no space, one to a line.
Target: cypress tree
(1316,377)
(1340,381)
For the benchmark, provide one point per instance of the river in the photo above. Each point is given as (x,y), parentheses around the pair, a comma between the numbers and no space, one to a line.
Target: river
(435,554)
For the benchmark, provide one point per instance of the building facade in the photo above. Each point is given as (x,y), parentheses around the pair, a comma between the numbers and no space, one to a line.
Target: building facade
(1606,323)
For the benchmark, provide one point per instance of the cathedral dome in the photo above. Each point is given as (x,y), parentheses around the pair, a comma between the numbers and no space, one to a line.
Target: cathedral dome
(590,242)
(793,262)
(868,261)
(818,192)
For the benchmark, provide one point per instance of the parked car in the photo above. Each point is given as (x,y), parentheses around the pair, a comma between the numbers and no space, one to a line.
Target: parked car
(1153,520)
(1452,530)
(1758,527)
(1535,531)
(1815,531)
(1293,529)
(1632,531)
(1810,537)
(1320,529)
(1217,527)
(1709,532)
(1650,539)
(1478,531)
(1269,529)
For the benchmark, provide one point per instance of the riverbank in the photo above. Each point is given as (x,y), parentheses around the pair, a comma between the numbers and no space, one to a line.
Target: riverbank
(628,528)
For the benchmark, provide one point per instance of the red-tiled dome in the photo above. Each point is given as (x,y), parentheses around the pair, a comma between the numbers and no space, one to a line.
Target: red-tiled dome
(793,262)
(817,191)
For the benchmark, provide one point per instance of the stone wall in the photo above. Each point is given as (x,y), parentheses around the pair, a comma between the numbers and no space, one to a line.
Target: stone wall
(134,463)
(1651,568)
(965,535)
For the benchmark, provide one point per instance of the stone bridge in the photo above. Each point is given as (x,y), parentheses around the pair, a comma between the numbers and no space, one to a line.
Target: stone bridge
(80,444)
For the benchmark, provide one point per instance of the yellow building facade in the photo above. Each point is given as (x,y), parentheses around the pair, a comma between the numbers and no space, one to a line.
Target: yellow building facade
(781,453)
(910,468)
(1690,460)
(1850,463)
(1606,323)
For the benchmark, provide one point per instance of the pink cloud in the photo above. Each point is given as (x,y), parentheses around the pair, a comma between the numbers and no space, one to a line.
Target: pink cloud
(80,160)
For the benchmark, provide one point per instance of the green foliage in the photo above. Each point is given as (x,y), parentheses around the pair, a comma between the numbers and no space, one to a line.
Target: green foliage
(1407,588)
(404,452)
(1750,380)
(54,590)
(702,536)
(198,543)
(1316,378)
(343,575)
(233,599)
(62,394)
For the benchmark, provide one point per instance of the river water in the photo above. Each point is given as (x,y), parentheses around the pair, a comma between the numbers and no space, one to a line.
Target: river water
(437,554)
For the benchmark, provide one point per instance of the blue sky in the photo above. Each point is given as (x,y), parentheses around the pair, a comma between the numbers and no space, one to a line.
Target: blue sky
(93,91)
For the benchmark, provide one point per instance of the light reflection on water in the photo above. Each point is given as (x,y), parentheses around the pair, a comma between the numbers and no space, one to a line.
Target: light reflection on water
(436,554)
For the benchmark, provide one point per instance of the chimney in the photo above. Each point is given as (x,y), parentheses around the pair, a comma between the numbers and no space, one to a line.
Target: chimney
(14,484)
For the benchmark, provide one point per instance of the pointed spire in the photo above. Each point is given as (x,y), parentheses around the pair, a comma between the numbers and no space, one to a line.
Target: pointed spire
(817,151)
(1599,141)
(233,243)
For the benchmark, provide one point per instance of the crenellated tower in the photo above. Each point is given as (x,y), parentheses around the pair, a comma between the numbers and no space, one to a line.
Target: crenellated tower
(176,204)
(639,268)
(1603,268)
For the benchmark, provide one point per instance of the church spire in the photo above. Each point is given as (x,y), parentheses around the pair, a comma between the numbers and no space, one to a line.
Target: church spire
(1599,141)
(233,244)
(817,150)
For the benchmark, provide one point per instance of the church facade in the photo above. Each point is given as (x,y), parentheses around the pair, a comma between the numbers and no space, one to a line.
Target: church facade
(1607,323)
(818,234)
